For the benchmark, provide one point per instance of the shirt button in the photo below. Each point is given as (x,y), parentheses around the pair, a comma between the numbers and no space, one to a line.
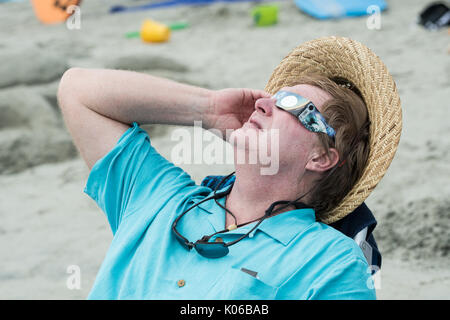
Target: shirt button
(218,239)
(181,283)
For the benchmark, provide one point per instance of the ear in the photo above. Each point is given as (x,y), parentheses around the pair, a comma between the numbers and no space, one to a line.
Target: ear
(321,161)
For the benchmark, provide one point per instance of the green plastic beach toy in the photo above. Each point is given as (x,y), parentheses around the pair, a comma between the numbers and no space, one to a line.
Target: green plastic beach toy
(133,34)
(173,26)
(178,25)
(265,15)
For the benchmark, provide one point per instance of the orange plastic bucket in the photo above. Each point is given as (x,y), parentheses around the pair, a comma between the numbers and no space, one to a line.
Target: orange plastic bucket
(53,11)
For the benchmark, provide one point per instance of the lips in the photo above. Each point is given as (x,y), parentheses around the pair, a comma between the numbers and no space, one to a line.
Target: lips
(255,123)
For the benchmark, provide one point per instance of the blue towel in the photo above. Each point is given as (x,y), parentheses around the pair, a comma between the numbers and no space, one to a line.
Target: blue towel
(326,9)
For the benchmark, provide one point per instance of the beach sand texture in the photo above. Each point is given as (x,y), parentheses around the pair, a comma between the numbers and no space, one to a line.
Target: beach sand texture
(49,225)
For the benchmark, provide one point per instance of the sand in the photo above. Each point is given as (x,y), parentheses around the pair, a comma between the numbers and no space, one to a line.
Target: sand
(49,225)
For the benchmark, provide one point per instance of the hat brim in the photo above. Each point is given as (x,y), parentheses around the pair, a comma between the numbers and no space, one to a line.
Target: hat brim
(338,57)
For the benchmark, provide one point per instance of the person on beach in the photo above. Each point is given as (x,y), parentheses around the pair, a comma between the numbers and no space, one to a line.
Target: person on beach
(266,236)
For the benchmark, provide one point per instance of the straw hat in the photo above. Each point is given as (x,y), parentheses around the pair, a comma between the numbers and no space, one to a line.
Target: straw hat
(337,57)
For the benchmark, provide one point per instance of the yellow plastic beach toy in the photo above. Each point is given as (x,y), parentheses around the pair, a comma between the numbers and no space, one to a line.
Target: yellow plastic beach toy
(152,31)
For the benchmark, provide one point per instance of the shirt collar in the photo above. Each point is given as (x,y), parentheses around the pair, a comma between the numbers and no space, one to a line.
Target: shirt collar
(282,227)
(285,226)
(210,206)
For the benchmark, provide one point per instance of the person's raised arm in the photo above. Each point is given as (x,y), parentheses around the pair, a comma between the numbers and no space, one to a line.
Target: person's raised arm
(98,106)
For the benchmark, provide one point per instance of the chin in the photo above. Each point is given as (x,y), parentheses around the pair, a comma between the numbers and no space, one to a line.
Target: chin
(254,146)
(245,138)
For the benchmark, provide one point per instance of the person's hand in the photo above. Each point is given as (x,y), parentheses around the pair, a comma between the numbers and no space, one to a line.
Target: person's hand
(231,108)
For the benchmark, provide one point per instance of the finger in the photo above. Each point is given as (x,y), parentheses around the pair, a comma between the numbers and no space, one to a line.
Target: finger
(257,94)
(252,95)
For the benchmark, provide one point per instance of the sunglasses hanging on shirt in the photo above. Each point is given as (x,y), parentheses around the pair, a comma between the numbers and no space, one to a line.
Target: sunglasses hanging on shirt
(214,249)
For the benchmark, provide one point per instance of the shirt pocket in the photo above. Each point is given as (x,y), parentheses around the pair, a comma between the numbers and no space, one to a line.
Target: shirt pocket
(235,284)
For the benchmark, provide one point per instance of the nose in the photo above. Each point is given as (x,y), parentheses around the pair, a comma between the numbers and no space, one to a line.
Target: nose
(265,106)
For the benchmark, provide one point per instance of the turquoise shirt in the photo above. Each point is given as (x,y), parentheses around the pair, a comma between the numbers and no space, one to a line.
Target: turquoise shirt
(142,193)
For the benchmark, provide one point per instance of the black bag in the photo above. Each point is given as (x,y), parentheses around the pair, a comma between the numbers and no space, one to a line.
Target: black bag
(435,16)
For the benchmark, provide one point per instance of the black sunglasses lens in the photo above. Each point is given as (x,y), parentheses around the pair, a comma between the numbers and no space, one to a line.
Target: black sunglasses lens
(211,249)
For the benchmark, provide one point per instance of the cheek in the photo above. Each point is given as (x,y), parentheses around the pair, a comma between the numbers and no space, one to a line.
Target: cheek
(296,142)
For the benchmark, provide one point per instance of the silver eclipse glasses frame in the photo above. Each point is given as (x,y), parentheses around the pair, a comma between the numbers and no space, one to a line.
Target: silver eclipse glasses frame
(304,110)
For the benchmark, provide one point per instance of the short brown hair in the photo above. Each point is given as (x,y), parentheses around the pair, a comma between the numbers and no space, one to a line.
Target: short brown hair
(346,112)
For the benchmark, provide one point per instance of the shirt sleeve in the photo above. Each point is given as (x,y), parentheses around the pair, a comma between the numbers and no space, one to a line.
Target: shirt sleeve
(339,272)
(132,174)
(350,280)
